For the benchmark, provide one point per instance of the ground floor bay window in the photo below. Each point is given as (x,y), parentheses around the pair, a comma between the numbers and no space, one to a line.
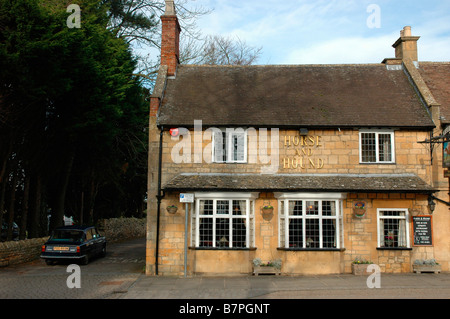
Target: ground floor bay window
(310,221)
(223,220)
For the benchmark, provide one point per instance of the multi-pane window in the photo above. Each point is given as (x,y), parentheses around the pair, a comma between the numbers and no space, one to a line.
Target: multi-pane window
(393,230)
(230,146)
(223,223)
(376,147)
(310,224)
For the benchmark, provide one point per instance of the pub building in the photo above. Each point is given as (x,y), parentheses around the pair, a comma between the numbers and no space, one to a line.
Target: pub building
(312,165)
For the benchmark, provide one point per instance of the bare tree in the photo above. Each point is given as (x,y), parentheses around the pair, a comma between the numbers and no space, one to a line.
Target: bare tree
(220,50)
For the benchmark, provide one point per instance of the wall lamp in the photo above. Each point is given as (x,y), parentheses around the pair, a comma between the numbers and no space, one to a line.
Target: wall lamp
(431,204)
(303,131)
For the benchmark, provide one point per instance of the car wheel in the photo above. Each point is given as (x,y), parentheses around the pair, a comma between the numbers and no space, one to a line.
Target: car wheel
(85,260)
(50,262)
(103,252)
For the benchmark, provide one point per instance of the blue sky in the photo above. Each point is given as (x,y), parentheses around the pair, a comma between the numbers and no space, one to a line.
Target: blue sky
(330,31)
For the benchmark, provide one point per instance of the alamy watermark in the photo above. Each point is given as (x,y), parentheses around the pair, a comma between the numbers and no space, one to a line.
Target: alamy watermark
(374,19)
(374,280)
(73,280)
(74,20)
(261,148)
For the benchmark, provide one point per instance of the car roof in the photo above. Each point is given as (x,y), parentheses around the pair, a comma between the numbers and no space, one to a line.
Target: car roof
(74,227)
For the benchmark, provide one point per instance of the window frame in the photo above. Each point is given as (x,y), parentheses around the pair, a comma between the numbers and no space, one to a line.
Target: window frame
(249,217)
(380,231)
(228,141)
(284,217)
(377,133)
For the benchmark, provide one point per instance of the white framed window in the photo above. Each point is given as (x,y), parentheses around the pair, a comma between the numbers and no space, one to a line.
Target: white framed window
(376,146)
(230,146)
(393,228)
(223,220)
(310,221)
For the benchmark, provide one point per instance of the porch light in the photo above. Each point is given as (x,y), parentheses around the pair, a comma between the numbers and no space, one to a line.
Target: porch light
(431,204)
(303,131)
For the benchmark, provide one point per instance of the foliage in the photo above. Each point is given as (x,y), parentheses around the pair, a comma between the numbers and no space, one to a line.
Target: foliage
(427,262)
(359,260)
(73,117)
(273,263)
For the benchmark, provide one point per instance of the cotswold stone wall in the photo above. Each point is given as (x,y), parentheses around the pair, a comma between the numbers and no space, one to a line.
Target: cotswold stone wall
(119,229)
(16,252)
(115,230)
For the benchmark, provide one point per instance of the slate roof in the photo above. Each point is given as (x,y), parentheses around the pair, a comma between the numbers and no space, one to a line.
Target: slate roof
(358,183)
(437,77)
(320,96)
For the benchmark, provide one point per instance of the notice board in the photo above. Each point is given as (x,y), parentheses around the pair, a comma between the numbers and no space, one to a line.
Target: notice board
(422,231)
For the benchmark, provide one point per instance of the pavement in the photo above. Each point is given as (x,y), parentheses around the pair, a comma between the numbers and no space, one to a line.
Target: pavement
(344,286)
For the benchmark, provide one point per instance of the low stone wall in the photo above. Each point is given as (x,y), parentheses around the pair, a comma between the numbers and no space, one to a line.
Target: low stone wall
(120,229)
(16,252)
(115,230)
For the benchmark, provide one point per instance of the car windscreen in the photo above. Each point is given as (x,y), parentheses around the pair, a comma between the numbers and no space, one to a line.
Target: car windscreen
(69,236)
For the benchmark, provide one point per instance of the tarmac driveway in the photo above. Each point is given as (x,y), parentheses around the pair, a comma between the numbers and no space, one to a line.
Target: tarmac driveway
(102,278)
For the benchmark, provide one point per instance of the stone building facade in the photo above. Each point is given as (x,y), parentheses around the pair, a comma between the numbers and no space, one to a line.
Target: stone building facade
(312,165)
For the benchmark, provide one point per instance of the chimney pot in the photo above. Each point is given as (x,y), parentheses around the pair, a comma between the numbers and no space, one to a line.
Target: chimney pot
(170,8)
(407,31)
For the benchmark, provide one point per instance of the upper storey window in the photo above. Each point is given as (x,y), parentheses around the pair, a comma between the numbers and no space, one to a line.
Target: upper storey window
(230,146)
(376,147)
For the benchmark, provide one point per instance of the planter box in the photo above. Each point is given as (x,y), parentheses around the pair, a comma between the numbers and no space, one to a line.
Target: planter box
(426,268)
(266,271)
(360,269)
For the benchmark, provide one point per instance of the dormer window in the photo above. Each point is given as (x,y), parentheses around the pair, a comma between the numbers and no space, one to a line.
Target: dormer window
(376,146)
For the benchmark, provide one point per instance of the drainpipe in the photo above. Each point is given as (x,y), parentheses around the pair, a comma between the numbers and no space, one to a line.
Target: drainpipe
(159,196)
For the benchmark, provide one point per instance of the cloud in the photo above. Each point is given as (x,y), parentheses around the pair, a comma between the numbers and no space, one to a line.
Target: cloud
(343,51)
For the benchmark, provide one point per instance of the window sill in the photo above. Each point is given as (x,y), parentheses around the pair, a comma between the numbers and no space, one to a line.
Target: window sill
(310,249)
(222,248)
(393,248)
(377,163)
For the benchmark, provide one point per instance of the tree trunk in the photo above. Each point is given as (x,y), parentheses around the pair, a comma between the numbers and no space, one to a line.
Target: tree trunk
(11,209)
(23,222)
(35,210)
(57,218)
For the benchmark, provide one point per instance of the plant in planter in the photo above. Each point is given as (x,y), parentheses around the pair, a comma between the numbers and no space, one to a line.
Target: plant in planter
(172,209)
(272,267)
(359,266)
(428,265)
(267,209)
(359,209)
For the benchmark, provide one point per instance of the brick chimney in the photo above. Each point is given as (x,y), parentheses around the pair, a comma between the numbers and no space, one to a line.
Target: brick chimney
(170,38)
(406,45)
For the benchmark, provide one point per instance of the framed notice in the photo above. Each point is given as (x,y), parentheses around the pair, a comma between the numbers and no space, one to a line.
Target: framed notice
(422,231)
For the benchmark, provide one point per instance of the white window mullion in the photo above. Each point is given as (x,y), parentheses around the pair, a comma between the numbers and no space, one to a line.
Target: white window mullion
(286,225)
(197,222)
(319,203)
(214,216)
(230,223)
(247,223)
(303,217)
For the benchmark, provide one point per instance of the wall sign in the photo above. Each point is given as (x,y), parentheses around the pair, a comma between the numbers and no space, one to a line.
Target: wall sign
(422,231)
(305,147)
(186,198)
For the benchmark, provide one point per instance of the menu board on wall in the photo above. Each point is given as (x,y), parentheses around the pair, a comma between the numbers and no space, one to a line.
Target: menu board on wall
(422,231)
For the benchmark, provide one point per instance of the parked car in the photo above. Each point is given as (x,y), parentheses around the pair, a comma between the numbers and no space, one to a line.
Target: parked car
(15,231)
(78,243)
